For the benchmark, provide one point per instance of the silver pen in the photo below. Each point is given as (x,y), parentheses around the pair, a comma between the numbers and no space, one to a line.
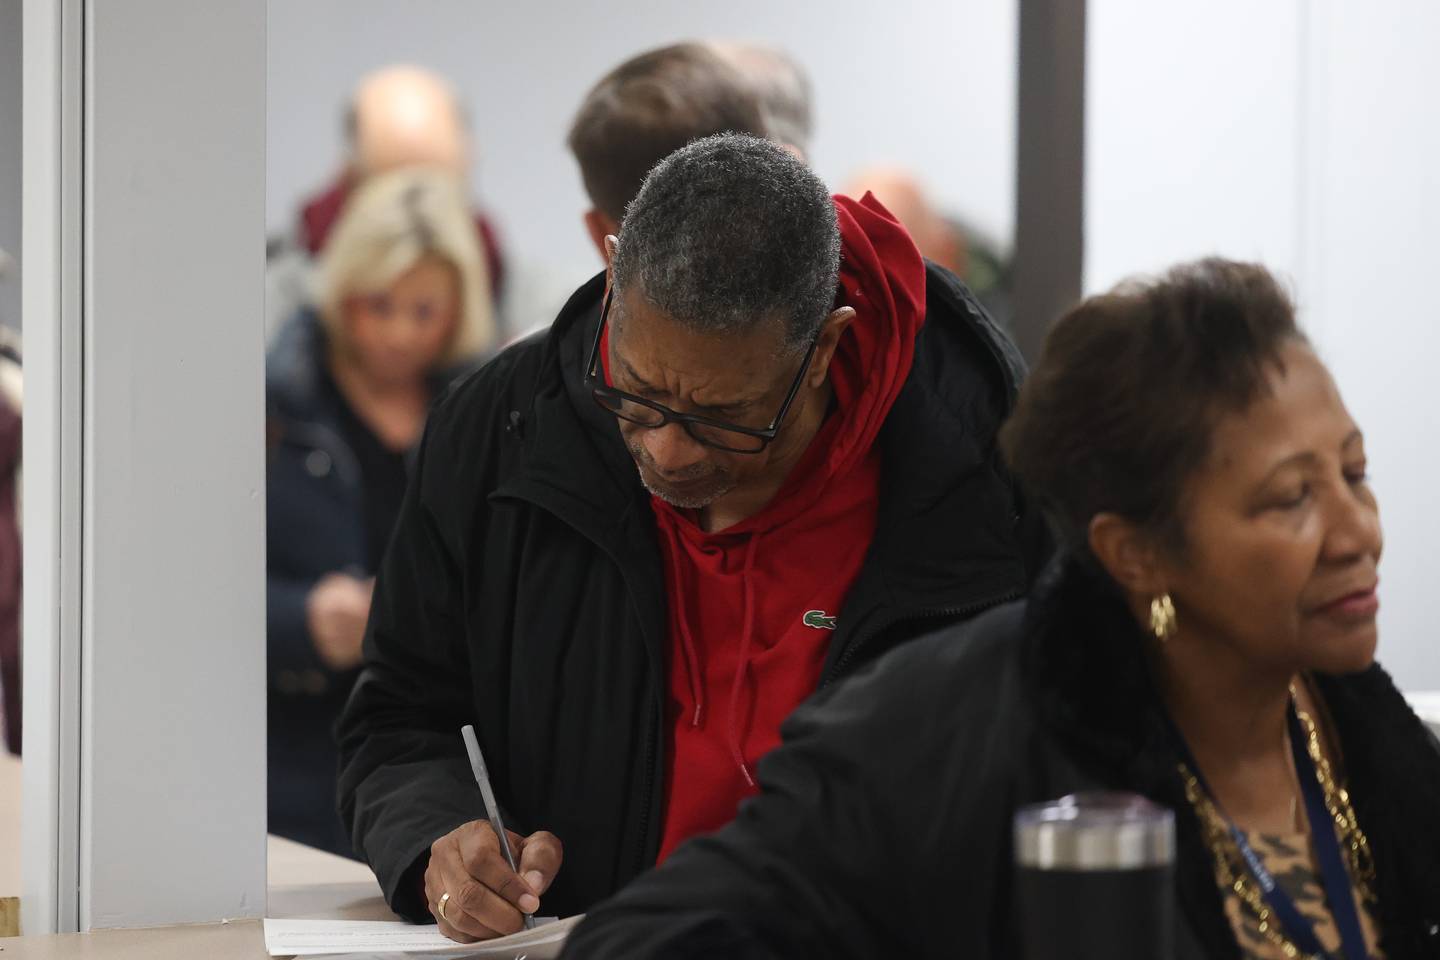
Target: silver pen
(492,809)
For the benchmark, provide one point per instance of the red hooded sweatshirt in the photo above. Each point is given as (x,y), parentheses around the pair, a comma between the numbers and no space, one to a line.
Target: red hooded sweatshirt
(752,608)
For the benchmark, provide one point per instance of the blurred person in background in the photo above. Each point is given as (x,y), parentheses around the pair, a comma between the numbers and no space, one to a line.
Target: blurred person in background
(782,87)
(946,240)
(637,115)
(644,110)
(403,305)
(399,116)
(1205,639)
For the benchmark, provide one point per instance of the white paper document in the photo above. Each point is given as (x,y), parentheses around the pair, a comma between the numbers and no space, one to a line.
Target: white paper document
(376,938)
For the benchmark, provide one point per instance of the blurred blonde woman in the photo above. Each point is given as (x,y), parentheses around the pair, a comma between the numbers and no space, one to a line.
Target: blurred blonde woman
(402,306)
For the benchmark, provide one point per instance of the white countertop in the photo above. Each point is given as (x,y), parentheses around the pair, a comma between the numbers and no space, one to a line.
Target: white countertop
(9,825)
(304,883)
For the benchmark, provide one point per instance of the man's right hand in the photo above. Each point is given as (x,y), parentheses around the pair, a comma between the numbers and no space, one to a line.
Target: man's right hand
(336,612)
(487,898)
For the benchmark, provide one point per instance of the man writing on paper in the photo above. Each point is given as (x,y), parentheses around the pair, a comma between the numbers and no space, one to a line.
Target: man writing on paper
(633,547)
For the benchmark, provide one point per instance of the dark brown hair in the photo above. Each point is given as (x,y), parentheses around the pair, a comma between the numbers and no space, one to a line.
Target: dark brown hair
(649,107)
(1119,411)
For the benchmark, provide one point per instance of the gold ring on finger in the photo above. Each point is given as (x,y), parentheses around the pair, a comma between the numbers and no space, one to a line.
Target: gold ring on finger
(440,907)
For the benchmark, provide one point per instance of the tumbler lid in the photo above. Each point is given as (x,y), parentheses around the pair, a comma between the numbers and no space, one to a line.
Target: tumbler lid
(1095,831)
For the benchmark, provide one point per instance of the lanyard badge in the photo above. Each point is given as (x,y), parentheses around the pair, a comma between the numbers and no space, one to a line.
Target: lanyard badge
(1339,891)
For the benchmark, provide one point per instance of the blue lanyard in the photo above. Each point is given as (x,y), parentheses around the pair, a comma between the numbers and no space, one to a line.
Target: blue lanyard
(1338,890)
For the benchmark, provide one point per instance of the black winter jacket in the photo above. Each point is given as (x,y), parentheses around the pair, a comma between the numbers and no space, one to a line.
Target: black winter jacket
(884,823)
(313,491)
(523,593)
(314,526)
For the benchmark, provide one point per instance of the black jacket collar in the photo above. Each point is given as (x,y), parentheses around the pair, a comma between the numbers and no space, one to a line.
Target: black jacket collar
(936,550)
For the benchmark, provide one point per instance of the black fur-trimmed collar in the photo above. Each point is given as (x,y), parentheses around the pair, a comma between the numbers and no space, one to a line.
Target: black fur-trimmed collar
(1094,693)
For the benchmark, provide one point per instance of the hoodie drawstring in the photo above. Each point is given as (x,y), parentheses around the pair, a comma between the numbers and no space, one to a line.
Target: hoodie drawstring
(691,661)
(742,664)
(687,638)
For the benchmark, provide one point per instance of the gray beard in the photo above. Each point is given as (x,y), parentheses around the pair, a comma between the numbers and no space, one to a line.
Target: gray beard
(699,502)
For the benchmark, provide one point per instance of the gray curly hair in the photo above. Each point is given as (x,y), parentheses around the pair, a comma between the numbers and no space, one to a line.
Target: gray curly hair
(729,233)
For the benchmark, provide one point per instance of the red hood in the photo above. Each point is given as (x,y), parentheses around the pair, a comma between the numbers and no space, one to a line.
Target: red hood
(882,276)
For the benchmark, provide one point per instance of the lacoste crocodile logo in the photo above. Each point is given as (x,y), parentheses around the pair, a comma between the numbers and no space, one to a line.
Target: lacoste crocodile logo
(819,619)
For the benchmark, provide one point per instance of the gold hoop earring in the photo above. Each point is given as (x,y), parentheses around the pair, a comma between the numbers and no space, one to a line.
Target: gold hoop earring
(1162,617)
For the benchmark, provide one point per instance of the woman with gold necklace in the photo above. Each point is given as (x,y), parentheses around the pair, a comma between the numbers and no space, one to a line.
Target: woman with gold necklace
(1206,638)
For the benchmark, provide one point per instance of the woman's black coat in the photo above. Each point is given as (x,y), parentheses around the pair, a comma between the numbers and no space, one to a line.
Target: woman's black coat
(884,826)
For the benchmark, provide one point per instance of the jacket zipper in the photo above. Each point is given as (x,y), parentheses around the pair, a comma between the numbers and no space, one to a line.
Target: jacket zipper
(648,793)
(934,613)
(654,725)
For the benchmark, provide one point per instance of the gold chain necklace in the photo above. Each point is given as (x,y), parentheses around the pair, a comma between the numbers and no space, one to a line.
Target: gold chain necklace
(1229,864)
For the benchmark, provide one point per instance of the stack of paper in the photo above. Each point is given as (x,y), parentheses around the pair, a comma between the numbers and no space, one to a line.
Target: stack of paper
(383,938)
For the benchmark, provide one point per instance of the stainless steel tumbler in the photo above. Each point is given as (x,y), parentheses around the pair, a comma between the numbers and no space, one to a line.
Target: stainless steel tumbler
(1095,878)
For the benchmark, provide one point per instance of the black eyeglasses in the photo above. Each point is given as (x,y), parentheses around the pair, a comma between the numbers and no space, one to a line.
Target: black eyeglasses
(703,430)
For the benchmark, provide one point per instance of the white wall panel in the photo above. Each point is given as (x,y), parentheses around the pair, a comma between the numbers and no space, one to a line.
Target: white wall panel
(1369,293)
(1302,135)
(1191,134)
